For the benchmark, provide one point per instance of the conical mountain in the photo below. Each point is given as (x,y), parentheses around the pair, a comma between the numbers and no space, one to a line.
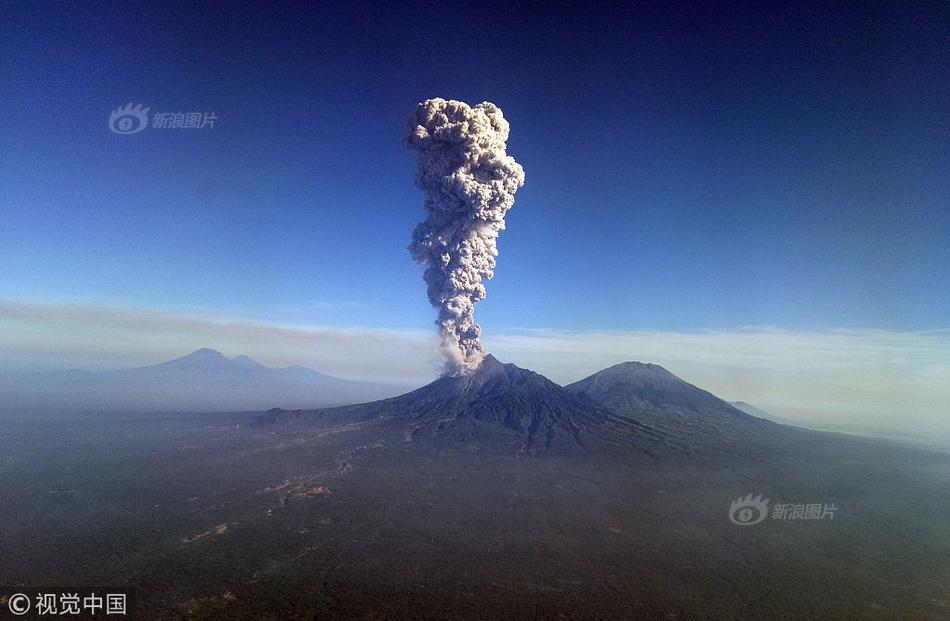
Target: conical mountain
(653,396)
(203,364)
(498,401)
(202,381)
(639,386)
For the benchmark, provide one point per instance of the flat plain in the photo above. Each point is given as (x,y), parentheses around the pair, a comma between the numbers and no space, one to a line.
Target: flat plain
(214,516)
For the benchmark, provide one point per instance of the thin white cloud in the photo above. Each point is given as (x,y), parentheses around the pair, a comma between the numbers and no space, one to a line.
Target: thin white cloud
(875,378)
(872,379)
(37,337)
(336,304)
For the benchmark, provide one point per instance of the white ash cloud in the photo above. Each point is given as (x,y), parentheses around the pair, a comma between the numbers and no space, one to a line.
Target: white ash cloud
(469,182)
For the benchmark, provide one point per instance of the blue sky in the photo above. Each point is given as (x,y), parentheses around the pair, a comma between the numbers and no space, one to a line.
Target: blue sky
(687,169)
(684,170)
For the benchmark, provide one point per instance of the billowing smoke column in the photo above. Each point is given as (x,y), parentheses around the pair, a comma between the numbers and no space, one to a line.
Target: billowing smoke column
(469,183)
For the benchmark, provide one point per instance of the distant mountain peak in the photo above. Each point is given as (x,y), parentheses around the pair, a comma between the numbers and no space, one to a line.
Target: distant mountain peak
(650,392)
(204,380)
(751,410)
(205,353)
(205,361)
(247,362)
(633,374)
(634,366)
(640,385)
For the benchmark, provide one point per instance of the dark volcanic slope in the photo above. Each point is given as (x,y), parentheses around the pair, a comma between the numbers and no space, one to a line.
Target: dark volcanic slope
(654,396)
(500,401)
(639,386)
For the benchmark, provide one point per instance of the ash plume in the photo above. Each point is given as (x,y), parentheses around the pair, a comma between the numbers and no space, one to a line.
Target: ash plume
(469,183)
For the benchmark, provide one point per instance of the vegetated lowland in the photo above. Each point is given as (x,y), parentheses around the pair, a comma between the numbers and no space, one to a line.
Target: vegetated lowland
(498,495)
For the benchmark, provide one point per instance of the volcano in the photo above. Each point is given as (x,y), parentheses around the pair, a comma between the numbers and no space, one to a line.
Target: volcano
(498,403)
(655,397)
(649,389)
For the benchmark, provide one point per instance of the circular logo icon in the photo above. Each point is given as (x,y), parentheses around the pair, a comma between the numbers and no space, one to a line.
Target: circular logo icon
(748,510)
(19,604)
(128,120)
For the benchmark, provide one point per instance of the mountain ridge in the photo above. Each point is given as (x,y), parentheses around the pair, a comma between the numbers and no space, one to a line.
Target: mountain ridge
(537,414)
(693,416)
(646,386)
(204,380)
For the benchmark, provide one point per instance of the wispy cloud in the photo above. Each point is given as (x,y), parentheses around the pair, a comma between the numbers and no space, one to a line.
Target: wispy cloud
(877,377)
(872,378)
(34,336)
(336,304)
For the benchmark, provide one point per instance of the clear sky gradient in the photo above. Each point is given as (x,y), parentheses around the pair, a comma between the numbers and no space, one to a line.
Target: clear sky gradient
(687,169)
